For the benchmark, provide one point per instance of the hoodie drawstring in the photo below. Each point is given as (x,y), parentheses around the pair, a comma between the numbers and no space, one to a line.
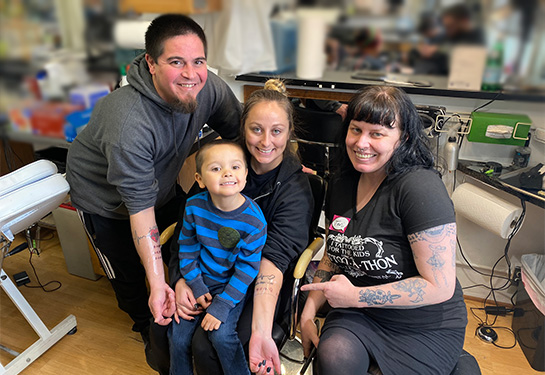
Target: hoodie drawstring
(174,139)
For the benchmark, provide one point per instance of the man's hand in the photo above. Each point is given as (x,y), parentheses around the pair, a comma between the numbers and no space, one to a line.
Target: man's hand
(162,304)
(339,291)
(210,323)
(342,110)
(263,355)
(185,302)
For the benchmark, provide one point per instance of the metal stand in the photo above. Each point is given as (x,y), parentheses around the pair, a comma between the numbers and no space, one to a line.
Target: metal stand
(47,337)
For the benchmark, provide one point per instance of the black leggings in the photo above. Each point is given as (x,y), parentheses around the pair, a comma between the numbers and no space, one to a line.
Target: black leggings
(341,352)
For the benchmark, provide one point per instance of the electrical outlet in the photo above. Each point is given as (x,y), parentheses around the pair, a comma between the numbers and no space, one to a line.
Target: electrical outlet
(517,277)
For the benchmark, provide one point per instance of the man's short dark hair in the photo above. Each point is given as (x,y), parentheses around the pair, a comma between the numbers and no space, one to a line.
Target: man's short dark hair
(167,26)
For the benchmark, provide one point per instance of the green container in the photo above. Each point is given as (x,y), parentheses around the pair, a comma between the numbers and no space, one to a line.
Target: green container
(493,127)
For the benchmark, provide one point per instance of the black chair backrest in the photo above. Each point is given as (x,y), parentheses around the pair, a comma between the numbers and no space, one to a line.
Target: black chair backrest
(317,126)
(318,188)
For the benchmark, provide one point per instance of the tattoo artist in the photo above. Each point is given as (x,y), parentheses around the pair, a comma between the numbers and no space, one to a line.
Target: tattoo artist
(389,270)
(278,185)
(122,168)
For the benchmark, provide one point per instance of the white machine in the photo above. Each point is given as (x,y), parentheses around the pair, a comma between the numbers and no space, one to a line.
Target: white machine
(26,196)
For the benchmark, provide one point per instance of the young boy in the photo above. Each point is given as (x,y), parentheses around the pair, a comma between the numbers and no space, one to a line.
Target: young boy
(220,241)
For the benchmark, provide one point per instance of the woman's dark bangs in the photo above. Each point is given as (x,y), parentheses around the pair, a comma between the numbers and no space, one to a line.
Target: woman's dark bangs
(377,112)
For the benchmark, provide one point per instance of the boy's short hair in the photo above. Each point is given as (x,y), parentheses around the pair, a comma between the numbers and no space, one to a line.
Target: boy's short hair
(168,26)
(199,157)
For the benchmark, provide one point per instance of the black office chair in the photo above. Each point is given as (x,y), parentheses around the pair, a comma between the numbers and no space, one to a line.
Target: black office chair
(284,328)
(317,135)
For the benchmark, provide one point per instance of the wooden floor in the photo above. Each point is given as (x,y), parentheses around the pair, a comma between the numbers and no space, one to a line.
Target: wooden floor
(104,343)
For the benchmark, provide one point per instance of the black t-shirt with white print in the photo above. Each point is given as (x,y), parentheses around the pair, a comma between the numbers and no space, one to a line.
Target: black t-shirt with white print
(371,246)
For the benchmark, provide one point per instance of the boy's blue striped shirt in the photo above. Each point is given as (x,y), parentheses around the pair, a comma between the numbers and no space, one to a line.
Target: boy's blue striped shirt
(205,263)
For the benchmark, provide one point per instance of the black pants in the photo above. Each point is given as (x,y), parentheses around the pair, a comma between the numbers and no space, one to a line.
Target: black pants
(113,243)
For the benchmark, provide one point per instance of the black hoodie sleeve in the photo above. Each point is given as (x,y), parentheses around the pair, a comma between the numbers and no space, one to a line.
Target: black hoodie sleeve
(288,223)
(225,116)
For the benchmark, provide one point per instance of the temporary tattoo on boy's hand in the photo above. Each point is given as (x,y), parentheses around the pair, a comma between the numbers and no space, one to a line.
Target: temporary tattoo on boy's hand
(324,275)
(413,287)
(377,297)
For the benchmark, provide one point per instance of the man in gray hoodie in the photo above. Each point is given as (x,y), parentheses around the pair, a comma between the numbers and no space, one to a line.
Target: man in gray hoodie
(122,167)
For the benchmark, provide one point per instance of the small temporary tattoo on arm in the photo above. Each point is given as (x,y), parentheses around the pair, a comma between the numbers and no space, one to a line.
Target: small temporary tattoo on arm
(377,297)
(264,285)
(157,254)
(413,287)
(324,275)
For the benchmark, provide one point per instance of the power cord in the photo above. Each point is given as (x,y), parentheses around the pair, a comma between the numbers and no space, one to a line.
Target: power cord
(496,310)
(489,102)
(40,285)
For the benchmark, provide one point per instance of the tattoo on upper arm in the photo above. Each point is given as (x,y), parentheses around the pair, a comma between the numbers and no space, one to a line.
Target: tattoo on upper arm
(324,275)
(414,287)
(435,240)
(264,285)
(375,297)
(433,235)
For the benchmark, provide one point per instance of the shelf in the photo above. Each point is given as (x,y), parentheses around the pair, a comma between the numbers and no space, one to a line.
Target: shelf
(469,167)
(334,81)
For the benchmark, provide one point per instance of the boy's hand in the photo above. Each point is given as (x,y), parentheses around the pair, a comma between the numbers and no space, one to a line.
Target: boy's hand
(205,300)
(210,323)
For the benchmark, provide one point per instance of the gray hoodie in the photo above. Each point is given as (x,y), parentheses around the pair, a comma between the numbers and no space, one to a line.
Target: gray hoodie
(128,157)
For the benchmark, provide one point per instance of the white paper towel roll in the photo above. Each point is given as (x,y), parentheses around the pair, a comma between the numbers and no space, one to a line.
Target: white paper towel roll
(130,34)
(311,33)
(311,36)
(485,209)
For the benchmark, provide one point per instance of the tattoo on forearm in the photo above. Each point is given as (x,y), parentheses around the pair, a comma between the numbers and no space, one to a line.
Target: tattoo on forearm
(415,289)
(377,297)
(437,262)
(153,234)
(453,247)
(326,262)
(324,275)
(157,254)
(264,284)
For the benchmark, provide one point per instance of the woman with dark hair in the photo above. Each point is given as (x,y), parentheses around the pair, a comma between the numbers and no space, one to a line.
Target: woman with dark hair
(389,267)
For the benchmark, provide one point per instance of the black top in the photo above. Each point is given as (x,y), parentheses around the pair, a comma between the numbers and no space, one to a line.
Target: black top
(371,246)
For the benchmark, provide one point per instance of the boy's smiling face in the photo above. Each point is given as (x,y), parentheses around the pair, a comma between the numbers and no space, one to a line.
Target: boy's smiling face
(223,170)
